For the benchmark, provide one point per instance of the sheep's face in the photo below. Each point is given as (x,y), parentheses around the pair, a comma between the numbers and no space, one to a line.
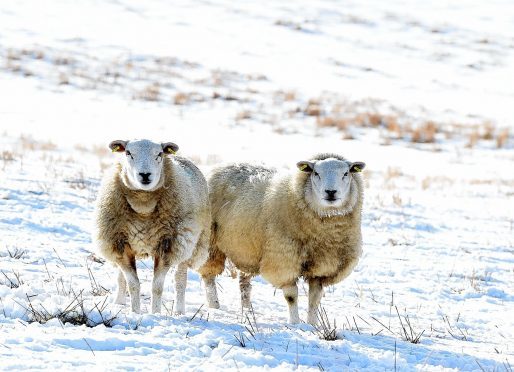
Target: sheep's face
(142,162)
(330,182)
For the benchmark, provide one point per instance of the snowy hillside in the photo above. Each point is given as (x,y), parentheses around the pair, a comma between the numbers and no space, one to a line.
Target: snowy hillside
(422,93)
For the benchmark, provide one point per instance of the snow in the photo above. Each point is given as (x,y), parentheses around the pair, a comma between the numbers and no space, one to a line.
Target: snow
(437,220)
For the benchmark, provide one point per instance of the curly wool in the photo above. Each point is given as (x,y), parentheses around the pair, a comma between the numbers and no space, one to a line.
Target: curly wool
(264,225)
(144,219)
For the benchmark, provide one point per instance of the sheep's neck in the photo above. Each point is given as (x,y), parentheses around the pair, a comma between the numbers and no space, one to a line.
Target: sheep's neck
(143,202)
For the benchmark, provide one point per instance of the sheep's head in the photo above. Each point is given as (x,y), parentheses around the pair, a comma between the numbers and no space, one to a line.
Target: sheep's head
(330,183)
(142,162)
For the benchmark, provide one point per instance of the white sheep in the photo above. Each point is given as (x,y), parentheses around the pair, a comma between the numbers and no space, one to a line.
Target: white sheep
(284,227)
(152,204)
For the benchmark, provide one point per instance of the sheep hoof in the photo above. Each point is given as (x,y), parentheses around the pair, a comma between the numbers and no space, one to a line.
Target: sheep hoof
(294,320)
(120,300)
(313,321)
(214,305)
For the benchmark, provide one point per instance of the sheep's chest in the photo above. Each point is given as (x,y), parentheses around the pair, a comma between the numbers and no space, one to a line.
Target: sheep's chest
(323,253)
(143,236)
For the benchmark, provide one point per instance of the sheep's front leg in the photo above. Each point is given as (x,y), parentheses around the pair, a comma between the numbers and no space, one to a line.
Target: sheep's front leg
(315,292)
(291,296)
(184,244)
(160,269)
(122,289)
(245,286)
(127,265)
(180,288)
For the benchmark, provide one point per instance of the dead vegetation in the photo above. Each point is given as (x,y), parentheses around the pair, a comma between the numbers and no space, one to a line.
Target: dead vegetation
(16,253)
(394,125)
(157,79)
(150,93)
(28,143)
(75,312)
(13,280)
(324,329)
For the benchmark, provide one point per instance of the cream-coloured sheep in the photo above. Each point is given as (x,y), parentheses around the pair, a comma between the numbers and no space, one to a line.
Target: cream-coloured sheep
(284,227)
(152,203)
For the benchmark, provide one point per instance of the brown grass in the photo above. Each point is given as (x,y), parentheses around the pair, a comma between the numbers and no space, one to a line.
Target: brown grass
(488,131)
(29,144)
(313,108)
(427,182)
(332,121)
(180,98)
(392,172)
(289,96)
(149,93)
(473,139)
(243,115)
(502,138)
(425,133)
(7,156)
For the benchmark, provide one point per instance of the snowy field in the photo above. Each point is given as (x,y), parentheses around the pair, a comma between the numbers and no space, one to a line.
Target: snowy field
(423,93)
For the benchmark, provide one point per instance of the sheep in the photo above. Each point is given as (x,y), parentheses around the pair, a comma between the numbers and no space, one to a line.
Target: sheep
(152,204)
(284,227)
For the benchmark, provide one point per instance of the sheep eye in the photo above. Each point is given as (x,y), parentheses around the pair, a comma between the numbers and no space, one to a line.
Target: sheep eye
(345,174)
(159,155)
(129,154)
(316,174)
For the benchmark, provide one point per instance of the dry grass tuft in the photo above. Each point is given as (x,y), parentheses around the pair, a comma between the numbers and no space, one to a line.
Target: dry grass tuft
(473,139)
(324,329)
(243,115)
(7,156)
(488,131)
(149,93)
(15,281)
(502,138)
(313,108)
(425,133)
(74,313)
(16,253)
(180,98)
(332,121)
(30,144)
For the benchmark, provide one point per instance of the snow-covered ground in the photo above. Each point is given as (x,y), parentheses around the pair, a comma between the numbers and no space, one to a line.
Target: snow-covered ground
(230,81)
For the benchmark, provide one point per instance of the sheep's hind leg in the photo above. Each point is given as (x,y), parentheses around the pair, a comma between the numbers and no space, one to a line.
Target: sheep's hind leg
(160,270)
(291,296)
(214,266)
(245,286)
(211,293)
(127,265)
(315,293)
(122,289)
(180,288)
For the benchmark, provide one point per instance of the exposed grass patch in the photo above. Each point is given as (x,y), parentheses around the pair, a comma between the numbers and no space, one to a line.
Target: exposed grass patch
(75,313)
(324,329)
(16,253)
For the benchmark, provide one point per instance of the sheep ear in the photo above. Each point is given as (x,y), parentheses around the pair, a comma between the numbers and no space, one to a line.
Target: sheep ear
(118,145)
(358,166)
(169,148)
(305,166)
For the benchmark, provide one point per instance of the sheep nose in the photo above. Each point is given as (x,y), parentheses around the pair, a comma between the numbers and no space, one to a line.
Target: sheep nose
(145,177)
(331,193)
